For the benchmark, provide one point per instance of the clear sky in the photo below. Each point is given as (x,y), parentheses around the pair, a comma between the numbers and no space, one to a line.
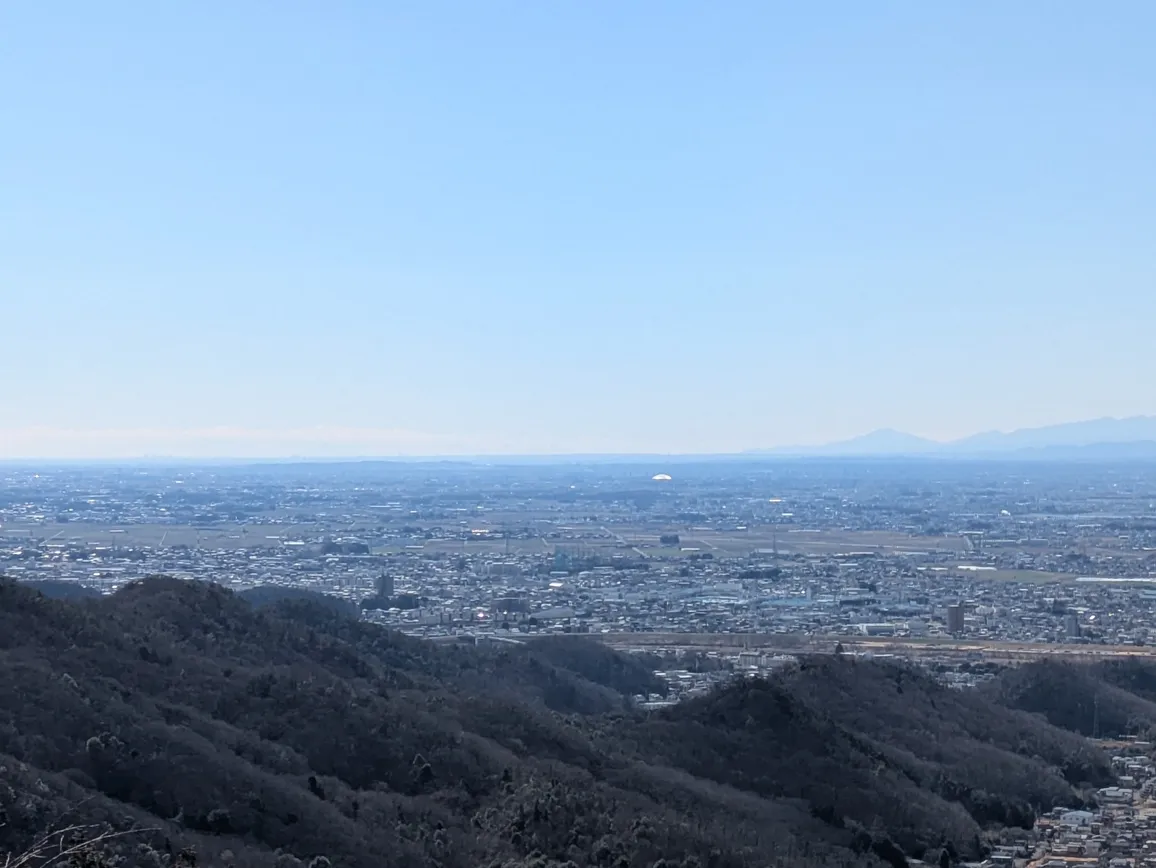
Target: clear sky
(266,228)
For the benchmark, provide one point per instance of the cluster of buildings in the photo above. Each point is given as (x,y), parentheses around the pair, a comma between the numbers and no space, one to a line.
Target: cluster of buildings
(1120,832)
(1047,554)
(703,568)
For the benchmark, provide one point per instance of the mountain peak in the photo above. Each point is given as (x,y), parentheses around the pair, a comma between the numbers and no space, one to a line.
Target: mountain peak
(1104,435)
(883,441)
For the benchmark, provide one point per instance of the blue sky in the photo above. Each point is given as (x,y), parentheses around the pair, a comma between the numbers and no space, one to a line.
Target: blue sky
(269,228)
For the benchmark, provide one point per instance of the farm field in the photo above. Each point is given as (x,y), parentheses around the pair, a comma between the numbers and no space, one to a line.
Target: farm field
(646,541)
(159,535)
(642,540)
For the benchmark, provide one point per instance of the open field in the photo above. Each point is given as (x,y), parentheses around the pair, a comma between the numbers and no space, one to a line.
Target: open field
(724,544)
(907,647)
(158,535)
(790,540)
(604,541)
(1024,576)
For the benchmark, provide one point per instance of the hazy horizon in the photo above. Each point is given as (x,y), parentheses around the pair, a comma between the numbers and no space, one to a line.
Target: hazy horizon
(656,228)
(337,444)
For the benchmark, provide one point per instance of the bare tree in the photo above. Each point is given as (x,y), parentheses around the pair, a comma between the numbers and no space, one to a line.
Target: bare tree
(61,844)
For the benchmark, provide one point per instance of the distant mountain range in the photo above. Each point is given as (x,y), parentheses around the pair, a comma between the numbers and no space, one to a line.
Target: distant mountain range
(1130,438)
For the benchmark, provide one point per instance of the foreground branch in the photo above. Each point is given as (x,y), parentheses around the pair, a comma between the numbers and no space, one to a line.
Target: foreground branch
(55,845)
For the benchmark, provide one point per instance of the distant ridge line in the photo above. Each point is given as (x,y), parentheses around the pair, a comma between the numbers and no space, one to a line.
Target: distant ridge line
(1134,436)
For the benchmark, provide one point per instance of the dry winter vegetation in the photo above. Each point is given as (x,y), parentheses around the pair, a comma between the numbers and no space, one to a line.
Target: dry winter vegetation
(175,723)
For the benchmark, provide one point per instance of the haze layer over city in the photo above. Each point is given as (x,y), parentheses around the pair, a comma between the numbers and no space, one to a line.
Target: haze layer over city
(742,555)
(577,434)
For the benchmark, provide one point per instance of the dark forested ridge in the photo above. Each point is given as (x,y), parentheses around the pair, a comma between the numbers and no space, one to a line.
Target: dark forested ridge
(265,735)
(63,590)
(1106,699)
(271,595)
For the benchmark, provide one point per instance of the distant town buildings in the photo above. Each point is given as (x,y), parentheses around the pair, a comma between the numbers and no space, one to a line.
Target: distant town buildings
(809,550)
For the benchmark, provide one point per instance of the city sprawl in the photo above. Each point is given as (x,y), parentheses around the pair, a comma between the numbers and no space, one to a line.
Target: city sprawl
(708,571)
(736,557)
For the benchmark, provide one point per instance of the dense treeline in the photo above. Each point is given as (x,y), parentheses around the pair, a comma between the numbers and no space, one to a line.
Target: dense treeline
(58,590)
(880,743)
(262,735)
(1105,699)
(271,595)
(630,675)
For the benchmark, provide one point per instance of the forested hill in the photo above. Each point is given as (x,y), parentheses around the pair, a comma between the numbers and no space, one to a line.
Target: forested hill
(266,735)
(1107,699)
(271,595)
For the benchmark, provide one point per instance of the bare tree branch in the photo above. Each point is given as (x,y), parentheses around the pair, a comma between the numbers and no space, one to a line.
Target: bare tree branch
(40,853)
